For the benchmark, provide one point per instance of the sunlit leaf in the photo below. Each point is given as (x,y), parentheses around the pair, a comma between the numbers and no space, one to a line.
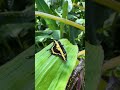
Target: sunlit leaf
(51,72)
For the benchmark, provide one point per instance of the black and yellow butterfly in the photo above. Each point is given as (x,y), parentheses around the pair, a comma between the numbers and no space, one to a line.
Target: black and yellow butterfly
(58,49)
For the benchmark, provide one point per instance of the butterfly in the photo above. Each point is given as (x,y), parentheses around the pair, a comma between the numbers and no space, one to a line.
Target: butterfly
(58,49)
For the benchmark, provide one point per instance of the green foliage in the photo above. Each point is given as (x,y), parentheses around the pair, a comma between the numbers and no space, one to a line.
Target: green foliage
(103,31)
(42,6)
(51,72)
(75,14)
(18,73)
(16,35)
(93,66)
(16,28)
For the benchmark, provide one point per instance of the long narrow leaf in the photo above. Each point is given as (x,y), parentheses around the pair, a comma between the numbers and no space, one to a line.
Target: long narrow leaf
(93,66)
(51,72)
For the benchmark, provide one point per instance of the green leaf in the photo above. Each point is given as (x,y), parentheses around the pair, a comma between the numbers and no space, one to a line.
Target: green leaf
(51,72)
(42,6)
(93,66)
(69,5)
(64,15)
(40,38)
(17,74)
(52,34)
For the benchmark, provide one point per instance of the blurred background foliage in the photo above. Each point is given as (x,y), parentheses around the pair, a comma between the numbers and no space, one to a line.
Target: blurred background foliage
(102,27)
(17,22)
(16,27)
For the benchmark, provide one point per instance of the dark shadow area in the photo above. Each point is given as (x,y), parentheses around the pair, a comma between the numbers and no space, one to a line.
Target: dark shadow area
(17,21)
(102,30)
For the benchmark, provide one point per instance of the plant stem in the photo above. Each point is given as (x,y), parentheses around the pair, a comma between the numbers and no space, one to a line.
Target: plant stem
(110,3)
(45,15)
(112,63)
(81,53)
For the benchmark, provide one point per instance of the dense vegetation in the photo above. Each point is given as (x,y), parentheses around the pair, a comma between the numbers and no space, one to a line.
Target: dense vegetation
(102,32)
(16,28)
(60,20)
(16,44)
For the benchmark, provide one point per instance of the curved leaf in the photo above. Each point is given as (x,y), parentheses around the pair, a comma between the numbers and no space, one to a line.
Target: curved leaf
(93,66)
(51,72)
